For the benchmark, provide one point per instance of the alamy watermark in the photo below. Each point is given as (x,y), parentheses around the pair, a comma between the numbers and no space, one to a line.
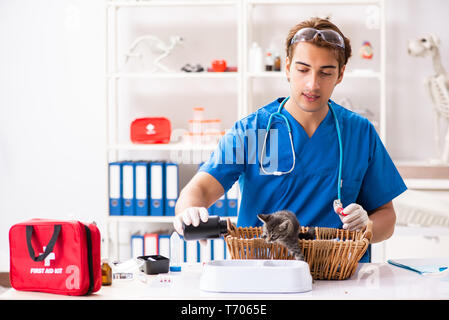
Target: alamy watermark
(236,147)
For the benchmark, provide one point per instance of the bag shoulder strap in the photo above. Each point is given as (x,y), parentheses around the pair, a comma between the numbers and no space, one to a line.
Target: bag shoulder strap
(49,247)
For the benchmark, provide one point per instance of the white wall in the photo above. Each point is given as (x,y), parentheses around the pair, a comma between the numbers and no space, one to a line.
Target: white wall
(52,125)
(410,119)
(52,128)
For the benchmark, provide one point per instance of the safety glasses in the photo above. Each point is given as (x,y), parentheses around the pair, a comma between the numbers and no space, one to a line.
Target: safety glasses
(328,35)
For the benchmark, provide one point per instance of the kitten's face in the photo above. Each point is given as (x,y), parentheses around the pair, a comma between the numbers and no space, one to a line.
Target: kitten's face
(273,228)
(269,234)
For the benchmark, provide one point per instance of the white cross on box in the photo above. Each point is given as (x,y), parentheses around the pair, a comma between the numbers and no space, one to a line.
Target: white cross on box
(50,257)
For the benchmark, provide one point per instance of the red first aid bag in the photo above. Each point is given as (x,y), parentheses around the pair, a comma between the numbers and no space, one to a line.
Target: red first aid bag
(55,256)
(150,130)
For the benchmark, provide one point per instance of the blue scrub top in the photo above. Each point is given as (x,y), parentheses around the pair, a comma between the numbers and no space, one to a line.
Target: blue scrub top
(369,176)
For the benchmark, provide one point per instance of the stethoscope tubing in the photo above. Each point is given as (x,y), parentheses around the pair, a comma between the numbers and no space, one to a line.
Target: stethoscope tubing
(279,173)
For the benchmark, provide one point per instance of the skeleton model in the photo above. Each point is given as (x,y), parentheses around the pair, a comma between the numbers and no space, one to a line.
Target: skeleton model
(437,86)
(156,46)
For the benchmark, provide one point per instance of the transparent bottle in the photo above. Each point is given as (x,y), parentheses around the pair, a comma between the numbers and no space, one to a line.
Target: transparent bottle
(175,252)
(256,58)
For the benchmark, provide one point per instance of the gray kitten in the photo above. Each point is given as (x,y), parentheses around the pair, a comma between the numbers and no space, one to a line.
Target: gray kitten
(283,227)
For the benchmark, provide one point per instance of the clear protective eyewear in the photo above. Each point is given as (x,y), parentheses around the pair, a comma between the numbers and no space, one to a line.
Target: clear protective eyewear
(308,34)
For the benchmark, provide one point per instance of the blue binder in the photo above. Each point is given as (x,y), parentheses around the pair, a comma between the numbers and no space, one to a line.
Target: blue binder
(219,207)
(171,187)
(232,197)
(129,188)
(142,183)
(115,189)
(157,188)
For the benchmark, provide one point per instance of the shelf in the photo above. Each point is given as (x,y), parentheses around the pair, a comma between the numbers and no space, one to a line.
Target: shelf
(174,3)
(314,2)
(162,219)
(418,171)
(164,147)
(421,164)
(427,184)
(175,75)
(229,75)
(150,219)
(362,73)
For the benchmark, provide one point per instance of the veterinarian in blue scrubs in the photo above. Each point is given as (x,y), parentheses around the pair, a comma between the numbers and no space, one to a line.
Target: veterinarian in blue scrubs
(300,173)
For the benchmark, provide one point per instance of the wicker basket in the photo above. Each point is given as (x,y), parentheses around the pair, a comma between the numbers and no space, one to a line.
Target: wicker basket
(333,255)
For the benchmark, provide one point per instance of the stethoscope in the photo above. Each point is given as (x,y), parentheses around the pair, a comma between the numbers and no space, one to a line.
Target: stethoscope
(337,202)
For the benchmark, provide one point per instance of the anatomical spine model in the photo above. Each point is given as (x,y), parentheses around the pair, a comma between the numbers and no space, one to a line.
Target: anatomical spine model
(437,86)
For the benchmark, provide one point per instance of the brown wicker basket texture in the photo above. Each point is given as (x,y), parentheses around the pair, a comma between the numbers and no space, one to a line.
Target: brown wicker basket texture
(332,255)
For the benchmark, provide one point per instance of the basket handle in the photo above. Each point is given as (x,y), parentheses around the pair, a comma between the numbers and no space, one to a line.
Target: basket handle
(368,233)
(230,225)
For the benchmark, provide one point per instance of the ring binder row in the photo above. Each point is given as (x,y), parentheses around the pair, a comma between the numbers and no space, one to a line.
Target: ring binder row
(191,251)
(148,188)
(143,188)
(227,205)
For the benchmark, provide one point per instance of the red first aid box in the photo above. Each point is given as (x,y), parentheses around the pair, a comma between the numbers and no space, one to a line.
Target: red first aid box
(54,256)
(151,130)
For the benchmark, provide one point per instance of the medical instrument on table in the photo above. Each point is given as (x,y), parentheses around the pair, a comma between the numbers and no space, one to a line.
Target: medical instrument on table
(175,253)
(154,264)
(127,270)
(432,267)
(328,35)
(337,202)
(214,227)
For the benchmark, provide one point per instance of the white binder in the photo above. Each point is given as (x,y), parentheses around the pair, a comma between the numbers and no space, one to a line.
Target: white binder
(164,245)
(142,182)
(171,188)
(191,251)
(136,246)
(157,189)
(128,188)
(219,249)
(206,252)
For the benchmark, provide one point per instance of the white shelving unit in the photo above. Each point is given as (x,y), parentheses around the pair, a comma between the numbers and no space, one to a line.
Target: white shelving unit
(247,36)
(113,78)
(243,78)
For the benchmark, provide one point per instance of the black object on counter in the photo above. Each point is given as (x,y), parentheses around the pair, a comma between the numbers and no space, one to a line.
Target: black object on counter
(154,264)
(213,228)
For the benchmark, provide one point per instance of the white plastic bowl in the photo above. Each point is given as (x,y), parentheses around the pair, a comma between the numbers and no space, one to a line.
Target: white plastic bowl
(269,276)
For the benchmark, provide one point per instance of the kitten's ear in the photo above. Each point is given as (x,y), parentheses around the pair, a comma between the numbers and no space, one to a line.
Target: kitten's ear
(283,226)
(263,217)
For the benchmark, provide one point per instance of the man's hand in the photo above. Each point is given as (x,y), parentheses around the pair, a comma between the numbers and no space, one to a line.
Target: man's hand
(191,216)
(354,217)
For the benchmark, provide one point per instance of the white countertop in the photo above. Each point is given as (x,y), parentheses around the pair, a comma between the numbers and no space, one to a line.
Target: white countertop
(371,281)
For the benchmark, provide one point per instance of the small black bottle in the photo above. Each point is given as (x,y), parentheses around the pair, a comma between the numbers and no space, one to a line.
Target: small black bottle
(213,228)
